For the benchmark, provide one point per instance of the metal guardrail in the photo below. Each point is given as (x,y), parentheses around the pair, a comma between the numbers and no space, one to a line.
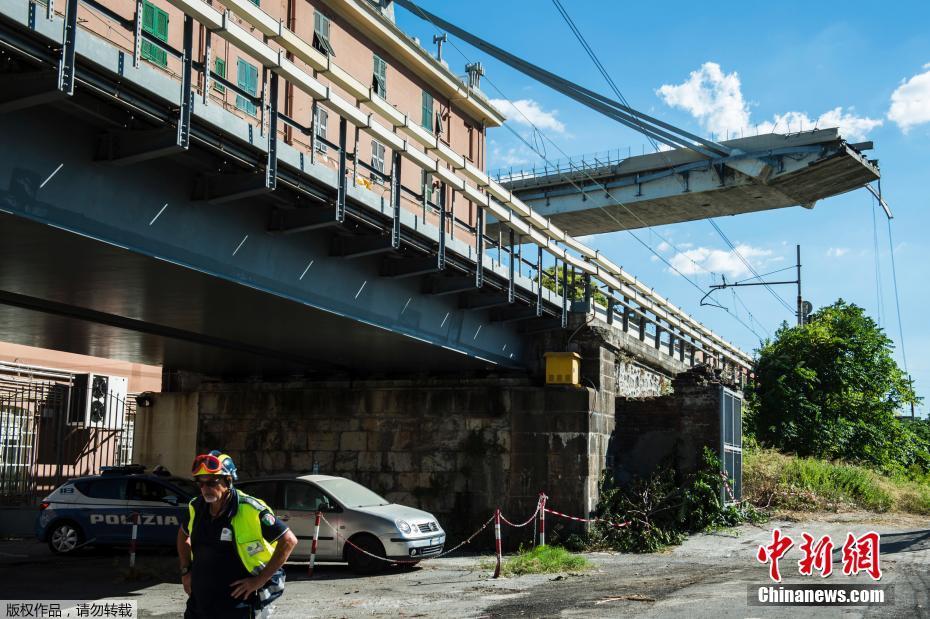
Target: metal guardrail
(581,164)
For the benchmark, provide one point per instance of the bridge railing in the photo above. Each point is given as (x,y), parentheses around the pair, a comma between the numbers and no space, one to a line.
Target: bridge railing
(580,165)
(274,47)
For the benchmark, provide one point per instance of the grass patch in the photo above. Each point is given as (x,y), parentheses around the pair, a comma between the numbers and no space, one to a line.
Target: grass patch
(772,479)
(541,560)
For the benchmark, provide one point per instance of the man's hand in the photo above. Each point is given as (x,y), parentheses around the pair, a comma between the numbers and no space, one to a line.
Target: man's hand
(247,586)
(186,581)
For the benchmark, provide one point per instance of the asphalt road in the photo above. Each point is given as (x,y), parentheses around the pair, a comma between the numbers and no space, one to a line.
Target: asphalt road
(707,576)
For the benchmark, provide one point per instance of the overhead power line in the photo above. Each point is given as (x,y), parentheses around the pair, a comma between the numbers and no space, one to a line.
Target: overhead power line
(439,23)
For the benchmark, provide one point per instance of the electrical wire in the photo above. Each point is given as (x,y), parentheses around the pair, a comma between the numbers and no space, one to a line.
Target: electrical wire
(600,67)
(745,262)
(879,301)
(897,301)
(534,149)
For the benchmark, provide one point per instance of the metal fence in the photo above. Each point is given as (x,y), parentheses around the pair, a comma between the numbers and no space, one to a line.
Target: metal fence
(54,427)
(731,444)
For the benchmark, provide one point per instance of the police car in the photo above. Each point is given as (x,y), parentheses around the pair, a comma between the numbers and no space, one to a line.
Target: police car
(100,509)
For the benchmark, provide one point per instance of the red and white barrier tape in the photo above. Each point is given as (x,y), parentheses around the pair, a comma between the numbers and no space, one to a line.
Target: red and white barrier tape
(577,519)
(386,560)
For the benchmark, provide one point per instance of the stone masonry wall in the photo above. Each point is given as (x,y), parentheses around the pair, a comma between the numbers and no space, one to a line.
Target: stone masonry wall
(671,429)
(456,449)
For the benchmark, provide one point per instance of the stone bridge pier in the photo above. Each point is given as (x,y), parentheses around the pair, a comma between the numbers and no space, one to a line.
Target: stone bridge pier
(456,447)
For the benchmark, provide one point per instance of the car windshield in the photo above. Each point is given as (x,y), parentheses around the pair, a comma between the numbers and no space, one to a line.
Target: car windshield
(186,485)
(352,494)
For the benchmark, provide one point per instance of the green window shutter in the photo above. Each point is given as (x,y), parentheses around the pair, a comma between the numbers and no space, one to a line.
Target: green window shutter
(154,22)
(219,68)
(247,80)
(379,81)
(426,118)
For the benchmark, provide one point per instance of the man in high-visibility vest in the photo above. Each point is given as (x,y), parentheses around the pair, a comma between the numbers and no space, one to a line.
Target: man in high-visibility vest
(231,546)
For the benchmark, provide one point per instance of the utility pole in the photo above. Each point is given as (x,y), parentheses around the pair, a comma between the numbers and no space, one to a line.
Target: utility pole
(804,307)
(800,301)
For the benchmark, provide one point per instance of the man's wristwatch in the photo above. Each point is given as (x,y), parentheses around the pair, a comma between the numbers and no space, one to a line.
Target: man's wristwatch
(185,570)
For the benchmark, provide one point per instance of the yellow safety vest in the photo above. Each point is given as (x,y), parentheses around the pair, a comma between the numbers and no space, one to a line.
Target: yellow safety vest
(253,549)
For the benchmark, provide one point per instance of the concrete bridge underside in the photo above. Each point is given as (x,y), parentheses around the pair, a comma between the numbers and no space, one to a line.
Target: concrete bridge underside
(93,261)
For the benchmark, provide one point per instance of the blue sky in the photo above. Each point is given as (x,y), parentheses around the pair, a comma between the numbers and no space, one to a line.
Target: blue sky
(723,66)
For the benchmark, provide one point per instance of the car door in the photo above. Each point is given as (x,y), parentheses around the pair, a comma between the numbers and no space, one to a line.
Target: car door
(301,501)
(103,510)
(158,509)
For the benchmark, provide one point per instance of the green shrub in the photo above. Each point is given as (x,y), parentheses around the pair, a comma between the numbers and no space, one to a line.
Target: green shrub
(661,511)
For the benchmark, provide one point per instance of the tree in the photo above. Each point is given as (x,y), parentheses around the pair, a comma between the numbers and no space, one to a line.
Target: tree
(575,285)
(831,389)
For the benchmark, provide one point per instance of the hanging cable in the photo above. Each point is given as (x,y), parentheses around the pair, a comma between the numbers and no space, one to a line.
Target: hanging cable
(897,301)
(616,90)
(444,25)
(879,302)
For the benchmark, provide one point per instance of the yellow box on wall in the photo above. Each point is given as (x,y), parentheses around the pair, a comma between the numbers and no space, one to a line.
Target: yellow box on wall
(563,368)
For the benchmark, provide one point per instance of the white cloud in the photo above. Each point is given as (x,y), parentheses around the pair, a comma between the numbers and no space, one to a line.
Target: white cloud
(725,262)
(837,252)
(716,100)
(514,156)
(663,246)
(910,102)
(528,112)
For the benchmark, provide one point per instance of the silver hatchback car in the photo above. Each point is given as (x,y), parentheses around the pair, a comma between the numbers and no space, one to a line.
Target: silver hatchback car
(352,512)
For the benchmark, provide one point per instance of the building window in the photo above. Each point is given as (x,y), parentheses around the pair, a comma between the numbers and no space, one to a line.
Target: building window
(429,192)
(426,118)
(154,22)
(257,2)
(321,34)
(379,77)
(319,123)
(219,67)
(377,161)
(247,76)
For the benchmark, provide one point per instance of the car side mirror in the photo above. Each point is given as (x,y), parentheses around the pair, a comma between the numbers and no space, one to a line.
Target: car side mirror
(170,499)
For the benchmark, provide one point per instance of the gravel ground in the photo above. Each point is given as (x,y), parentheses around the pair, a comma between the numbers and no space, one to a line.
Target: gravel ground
(707,576)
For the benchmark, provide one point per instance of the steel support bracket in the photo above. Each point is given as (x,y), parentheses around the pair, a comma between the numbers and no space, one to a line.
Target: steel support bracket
(271,165)
(187,92)
(137,35)
(479,249)
(539,286)
(395,199)
(441,252)
(510,279)
(66,64)
(342,184)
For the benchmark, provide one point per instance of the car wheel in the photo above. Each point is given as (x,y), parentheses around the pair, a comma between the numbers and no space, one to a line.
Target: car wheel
(65,537)
(362,563)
